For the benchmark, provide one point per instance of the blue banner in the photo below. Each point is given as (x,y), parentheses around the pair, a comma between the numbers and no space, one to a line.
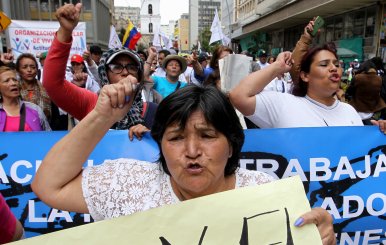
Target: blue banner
(342,168)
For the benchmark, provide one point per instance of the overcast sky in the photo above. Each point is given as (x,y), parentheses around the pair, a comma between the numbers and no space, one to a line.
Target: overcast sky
(170,9)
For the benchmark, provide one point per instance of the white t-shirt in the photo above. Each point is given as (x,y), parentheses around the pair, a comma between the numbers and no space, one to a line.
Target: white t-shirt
(282,85)
(262,66)
(282,110)
(126,186)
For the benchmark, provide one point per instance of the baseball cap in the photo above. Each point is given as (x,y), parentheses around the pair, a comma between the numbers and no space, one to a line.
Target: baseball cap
(77,58)
(262,53)
(202,57)
(356,60)
(128,52)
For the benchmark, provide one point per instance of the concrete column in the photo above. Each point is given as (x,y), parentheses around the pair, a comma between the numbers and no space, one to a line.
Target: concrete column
(6,7)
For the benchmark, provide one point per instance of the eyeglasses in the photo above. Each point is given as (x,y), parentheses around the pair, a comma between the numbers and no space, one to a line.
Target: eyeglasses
(118,68)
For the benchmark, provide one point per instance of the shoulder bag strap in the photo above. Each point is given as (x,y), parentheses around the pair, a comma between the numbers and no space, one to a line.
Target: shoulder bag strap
(178,86)
(22,118)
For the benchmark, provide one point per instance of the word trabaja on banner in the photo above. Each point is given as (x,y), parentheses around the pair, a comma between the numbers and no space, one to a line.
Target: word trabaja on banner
(343,170)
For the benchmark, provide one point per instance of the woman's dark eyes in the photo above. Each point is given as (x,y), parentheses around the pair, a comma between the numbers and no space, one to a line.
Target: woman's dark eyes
(175,138)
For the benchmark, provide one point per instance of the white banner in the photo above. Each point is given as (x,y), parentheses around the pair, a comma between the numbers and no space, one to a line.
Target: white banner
(35,37)
(114,41)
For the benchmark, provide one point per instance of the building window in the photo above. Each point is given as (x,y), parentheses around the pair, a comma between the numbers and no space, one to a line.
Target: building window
(329,30)
(349,26)
(359,22)
(338,28)
(150,27)
(86,5)
(150,9)
(370,22)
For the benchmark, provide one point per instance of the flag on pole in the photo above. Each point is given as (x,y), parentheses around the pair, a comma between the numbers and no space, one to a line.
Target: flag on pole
(161,40)
(217,34)
(131,36)
(166,40)
(114,41)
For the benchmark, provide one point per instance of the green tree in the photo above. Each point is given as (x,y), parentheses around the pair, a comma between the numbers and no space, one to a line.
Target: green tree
(205,38)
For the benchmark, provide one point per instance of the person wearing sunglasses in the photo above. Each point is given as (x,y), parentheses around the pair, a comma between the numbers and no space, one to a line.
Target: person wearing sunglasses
(116,65)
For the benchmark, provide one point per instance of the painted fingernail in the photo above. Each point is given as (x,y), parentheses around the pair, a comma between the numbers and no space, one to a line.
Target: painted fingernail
(127,98)
(120,106)
(299,222)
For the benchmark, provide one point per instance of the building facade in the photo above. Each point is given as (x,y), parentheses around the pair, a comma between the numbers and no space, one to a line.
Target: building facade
(123,14)
(201,14)
(150,19)
(183,33)
(150,16)
(97,28)
(276,25)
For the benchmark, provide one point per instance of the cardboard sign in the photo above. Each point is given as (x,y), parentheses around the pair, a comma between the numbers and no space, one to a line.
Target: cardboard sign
(262,214)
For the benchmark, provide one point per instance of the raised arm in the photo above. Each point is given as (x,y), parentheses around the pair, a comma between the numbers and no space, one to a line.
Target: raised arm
(243,95)
(196,65)
(74,100)
(300,50)
(65,159)
(146,72)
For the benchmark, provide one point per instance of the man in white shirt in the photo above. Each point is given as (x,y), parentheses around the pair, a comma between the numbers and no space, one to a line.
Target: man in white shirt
(262,62)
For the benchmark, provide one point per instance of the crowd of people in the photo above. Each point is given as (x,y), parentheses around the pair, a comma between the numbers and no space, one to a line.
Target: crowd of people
(179,100)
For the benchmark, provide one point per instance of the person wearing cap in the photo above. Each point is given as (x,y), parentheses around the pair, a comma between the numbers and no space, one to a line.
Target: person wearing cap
(211,73)
(262,62)
(120,67)
(174,65)
(96,53)
(80,75)
(350,72)
(200,60)
(160,71)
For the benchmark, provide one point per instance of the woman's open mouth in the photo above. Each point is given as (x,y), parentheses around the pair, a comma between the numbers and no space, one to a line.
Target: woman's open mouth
(15,89)
(194,168)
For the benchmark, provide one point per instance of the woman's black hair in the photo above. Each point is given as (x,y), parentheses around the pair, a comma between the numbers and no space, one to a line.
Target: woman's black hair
(300,88)
(217,110)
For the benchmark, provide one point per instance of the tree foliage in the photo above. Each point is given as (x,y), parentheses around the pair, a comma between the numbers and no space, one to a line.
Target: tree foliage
(204,40)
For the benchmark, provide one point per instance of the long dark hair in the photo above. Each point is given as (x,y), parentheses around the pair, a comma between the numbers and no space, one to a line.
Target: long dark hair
(217,110)
(300,89)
